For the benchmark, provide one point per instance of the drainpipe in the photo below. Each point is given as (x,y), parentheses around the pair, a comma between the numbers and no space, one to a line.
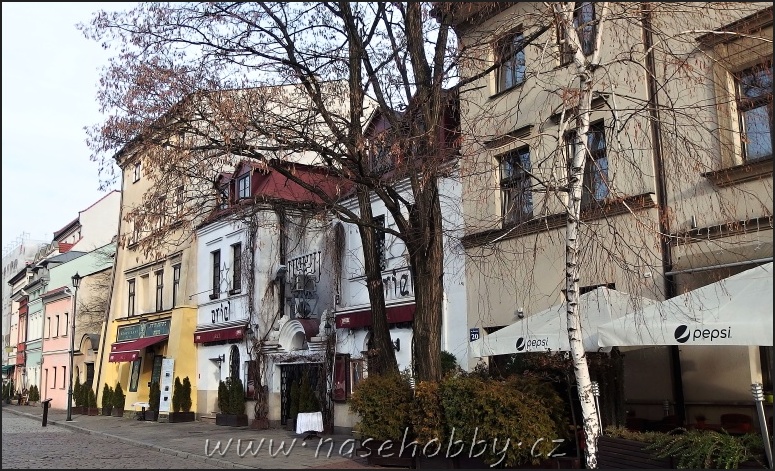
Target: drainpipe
(661,190)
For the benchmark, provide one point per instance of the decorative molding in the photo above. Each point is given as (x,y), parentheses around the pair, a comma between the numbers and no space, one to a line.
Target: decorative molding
(555,221)
(747,172)
(509,137)
(719,231)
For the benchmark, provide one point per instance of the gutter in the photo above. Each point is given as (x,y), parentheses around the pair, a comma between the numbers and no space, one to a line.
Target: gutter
(662,206)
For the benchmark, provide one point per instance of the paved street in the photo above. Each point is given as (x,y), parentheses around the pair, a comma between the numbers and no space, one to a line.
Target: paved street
(27,444)
(124,443)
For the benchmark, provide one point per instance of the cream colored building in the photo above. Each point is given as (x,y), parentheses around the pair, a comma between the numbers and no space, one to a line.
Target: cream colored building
(687,169)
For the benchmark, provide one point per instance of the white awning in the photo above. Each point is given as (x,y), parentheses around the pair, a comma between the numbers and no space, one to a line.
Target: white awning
(733,311)
(547,330)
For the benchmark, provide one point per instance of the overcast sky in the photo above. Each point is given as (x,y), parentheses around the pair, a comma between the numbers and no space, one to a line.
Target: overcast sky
(50,75)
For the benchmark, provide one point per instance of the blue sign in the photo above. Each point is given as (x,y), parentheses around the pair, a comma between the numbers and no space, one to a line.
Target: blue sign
(474,334)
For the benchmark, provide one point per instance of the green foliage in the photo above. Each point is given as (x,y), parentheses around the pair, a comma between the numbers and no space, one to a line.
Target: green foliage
(119,399)
(495,409)
(427,413)
(34,394)
(384,404)
(78,392)
(236,396)
(294,396)
(91,398)
(176,393)
(107,396)
(223,398)
(448,363)
(185,397)
(308,401)
(154,396)
(705,449)
(697,449)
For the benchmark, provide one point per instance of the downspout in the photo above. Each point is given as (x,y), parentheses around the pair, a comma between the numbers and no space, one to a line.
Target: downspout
(282,219)
(110,291)
(662,206)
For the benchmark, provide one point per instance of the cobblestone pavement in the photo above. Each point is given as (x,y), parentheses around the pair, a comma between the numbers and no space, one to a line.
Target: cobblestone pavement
(114,442)
(27,444)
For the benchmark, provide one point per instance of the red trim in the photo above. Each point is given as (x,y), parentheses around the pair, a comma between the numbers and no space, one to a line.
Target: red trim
(395,314)
(214,335)
(124,356)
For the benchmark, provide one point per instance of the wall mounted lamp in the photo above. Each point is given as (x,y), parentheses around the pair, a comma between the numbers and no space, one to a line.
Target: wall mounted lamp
(219,359)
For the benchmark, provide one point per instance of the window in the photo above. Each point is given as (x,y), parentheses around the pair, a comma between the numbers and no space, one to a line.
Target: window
(48,321)
(130,307)
(223,196)
(54,384)
(175,284)
(515,186)
(134,378)
(754,105)
(136,173)
(584,24)
(57,326)
(236,257)
(595,182)
(243,186)
(64,377)
(379,241)
(216,286)
(511,56)
(159,290)
(67,324)
(341,378)
(179,195)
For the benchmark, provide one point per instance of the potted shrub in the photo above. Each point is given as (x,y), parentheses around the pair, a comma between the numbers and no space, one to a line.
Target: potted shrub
(119,400)
(384,403)
(91,402)
(231,401)
(107,400)
(154,399)
(78,397)
(34,396)
(181,401)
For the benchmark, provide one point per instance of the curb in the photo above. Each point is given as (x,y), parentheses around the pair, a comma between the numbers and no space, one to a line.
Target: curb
(167,451)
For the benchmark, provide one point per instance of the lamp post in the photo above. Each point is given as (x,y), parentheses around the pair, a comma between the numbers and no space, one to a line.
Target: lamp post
(76,281)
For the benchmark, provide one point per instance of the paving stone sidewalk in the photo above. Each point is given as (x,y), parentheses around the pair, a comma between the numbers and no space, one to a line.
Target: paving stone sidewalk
(237,447)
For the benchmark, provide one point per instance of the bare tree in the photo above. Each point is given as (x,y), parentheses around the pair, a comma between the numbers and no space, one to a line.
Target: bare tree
(293,82)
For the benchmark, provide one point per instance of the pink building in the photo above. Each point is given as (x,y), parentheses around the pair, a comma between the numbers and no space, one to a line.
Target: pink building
(58,304)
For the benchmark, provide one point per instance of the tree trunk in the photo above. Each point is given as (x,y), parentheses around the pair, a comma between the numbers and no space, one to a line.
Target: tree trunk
(382,358)
(427,256)
(578,355)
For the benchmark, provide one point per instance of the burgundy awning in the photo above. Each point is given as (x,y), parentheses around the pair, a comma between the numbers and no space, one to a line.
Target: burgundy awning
(129,351)
(215,335)
(395,314)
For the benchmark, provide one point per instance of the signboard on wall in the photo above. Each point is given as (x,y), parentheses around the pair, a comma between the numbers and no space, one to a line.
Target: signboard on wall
(167,379)
(143,329)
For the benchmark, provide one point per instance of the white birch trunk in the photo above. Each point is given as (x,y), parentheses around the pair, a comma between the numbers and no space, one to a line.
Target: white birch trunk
(576,165)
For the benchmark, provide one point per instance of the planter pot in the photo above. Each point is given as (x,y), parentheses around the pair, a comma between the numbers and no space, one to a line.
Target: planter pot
(372,450)
(177,417)
(78,410)
(231,420)
(92,411)
(151,416)
(618,453)
(117,412)
(291,425)
(107,411)
(259,424)
(434,462)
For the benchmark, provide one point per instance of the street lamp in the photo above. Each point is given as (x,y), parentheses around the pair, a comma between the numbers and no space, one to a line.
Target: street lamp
(76,282)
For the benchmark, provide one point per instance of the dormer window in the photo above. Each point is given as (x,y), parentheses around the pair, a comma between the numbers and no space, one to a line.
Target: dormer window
(243,186)
(137,173)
